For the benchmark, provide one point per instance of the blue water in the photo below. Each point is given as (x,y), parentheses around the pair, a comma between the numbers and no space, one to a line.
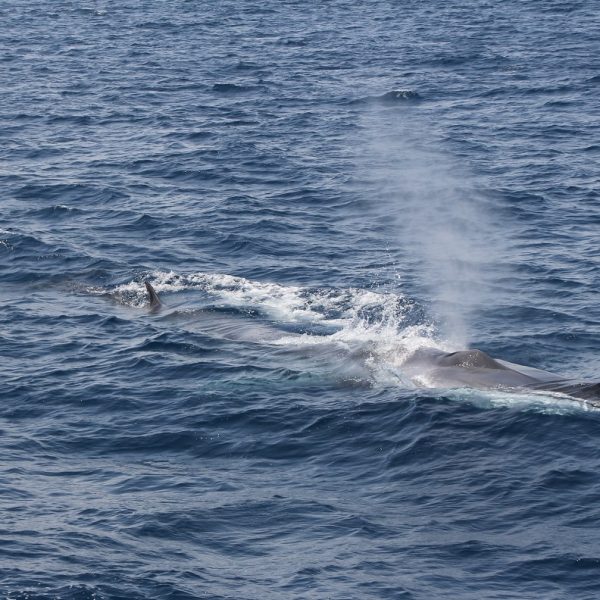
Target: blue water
(315,190)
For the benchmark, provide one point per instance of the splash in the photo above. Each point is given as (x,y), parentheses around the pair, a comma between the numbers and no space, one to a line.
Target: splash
(379,327)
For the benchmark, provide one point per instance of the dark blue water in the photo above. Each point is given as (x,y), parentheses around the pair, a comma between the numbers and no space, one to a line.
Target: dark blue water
(315,190)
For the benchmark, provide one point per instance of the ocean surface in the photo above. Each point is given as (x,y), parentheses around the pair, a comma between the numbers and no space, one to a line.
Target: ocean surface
(315,190)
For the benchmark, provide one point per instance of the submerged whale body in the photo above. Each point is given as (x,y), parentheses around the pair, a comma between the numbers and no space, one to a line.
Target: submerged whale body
(476,369)
(430,367)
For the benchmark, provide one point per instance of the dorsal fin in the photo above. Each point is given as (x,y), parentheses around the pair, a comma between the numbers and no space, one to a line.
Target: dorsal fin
(153,296)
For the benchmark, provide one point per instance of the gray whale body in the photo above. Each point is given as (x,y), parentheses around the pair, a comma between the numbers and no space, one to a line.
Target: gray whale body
(477,369)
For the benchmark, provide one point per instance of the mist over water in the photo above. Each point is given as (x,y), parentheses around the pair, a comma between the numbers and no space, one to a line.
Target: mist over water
(446,228)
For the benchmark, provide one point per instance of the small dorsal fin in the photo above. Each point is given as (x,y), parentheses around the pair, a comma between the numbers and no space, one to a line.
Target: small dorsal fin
(152,295)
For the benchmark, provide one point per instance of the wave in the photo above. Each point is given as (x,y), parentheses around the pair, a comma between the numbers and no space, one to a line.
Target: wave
(392,98)
(232,88)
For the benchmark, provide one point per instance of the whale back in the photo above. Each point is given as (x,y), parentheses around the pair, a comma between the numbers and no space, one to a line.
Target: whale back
(577,389)
(477,369)
(470,359)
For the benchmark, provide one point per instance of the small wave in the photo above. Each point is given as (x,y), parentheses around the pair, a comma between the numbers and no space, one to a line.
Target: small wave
(70,119)
(563,103)
(191,135)
(56,212)
(247,66)
(293,42)
(392,98)
(232,88)
(146,222)
(548,90)
(69,192)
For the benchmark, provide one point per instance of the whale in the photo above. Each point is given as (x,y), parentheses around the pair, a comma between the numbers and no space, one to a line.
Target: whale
(476,369)
(469,368)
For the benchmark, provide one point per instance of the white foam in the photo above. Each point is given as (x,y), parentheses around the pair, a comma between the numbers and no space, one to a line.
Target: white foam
(356,315)
(368,323)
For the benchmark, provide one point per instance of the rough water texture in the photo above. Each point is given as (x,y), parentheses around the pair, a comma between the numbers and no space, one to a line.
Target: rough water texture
(315,190)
